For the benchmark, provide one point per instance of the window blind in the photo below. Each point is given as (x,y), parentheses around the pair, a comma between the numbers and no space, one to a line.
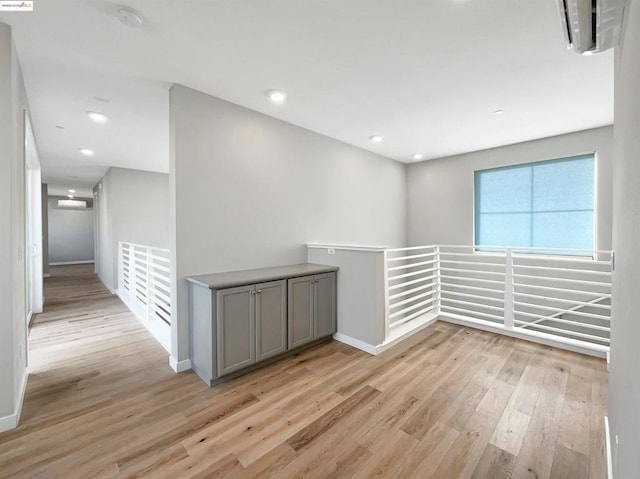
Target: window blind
(548,204)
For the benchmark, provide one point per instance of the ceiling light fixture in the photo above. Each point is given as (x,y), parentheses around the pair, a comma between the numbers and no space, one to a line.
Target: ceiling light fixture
(130,17)
(376,138)
(418,156)
(69,196)
(97,117)
(72,191)
(277,96)
(498,112)
(86,151)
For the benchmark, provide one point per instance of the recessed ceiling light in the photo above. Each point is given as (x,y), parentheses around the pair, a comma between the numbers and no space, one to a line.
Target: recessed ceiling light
(498,112)
(418,156)
(72,191)
(129,17)
(277,96)
(376,138)
(86,151)
(97,117)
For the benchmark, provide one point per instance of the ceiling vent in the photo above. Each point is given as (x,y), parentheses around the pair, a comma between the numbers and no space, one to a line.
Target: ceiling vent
(72,204)
(591,26)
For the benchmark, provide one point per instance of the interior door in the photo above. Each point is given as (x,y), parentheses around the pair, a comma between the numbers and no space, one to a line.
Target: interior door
(33,223)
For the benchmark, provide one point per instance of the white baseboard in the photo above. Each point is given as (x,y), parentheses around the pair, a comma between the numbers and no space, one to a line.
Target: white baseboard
(356,343)
(607,434)
(12,420)
(403,333)
(179,366)
(63,263)
(532,336)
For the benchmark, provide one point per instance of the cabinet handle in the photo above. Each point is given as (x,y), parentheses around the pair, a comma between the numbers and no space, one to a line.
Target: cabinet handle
(259,291)
(253,292)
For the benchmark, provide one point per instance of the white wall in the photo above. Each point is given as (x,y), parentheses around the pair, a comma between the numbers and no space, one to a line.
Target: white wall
(251,191)
(624,393)
(440,193)
(13,327)
(131,206)
(70,233)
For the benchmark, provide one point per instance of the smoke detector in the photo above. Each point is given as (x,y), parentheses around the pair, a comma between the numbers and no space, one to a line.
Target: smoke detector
(130,17)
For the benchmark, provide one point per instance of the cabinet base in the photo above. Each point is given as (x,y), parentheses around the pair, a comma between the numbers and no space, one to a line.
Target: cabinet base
(266,362)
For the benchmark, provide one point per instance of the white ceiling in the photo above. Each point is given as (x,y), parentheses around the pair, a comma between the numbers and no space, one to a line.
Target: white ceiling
(427,75)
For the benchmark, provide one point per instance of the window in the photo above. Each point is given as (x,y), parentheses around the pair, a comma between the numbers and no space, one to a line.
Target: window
(549,204)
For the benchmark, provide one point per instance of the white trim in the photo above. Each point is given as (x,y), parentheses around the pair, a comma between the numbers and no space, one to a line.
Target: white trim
(46,275)
(608,440)
(63,263)
(533,336)
(29,316)
(401,333)
(179,366)
(374,249)
(356,343)
(12,420)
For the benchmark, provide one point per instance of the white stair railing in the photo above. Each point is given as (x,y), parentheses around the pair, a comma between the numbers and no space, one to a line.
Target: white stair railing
(562,297)
(144,285)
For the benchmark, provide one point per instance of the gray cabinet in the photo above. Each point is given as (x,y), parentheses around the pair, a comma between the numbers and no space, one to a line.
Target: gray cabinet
(240,319)
(300,311)
(324,305)
(271,319)
(251,324)
(236,329)
(311,308)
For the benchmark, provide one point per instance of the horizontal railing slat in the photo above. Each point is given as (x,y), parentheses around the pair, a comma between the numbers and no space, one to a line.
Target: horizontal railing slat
(564,331)
(411,308)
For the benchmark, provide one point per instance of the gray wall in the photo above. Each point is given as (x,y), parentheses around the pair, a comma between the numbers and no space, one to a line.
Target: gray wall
(624,394)
(440,192)
(45,229)
(132,206)
(13,325)
(251,191)
(70,233)
(361,306)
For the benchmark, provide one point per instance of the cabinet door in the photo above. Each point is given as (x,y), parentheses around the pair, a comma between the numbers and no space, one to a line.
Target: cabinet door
(271,319)
(324,306)
(236,328)
(300,311)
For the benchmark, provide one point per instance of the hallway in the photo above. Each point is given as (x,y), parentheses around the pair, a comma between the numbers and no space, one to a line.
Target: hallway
(448,403)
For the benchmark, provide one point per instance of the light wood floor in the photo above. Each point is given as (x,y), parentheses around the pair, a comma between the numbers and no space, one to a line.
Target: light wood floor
(449,403)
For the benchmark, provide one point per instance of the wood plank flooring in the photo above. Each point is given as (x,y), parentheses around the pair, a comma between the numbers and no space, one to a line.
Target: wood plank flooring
(448,403)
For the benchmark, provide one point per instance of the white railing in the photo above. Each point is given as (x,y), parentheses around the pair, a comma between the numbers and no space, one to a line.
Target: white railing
(412,286)
(144,285)
(560,297)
